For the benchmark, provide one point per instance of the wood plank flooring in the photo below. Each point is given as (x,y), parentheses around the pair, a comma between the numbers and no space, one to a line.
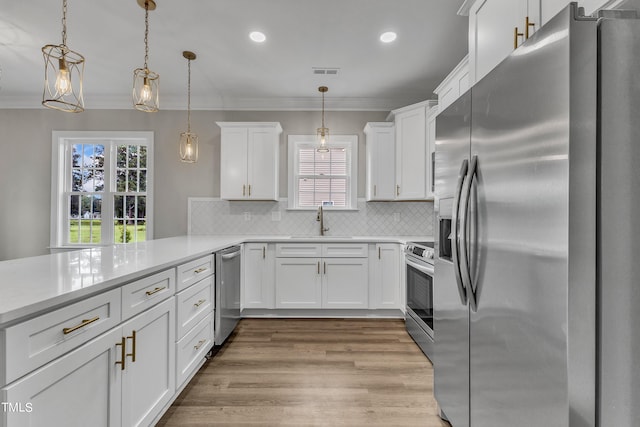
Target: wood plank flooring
(312,372)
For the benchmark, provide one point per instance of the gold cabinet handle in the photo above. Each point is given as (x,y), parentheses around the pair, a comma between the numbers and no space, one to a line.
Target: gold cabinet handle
(156,290)
(84,323)
(123,353)
(244,190)
(133,346)
(197,346)
(249,190)
(528,24)
(379,252)
(200,270)
(397,190)
(516,34)
(199,303)
(264,250)
(318,267)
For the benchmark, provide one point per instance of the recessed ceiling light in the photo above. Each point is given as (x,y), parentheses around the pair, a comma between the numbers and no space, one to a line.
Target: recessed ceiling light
(257,36)
(388,37)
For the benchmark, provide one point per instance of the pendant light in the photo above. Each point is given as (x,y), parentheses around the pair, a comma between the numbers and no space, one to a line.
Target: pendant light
(64,92)
(188,140)
(322,132)
(145,81)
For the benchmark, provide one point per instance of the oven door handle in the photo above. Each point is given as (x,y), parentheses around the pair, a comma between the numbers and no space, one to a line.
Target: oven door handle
(427,269)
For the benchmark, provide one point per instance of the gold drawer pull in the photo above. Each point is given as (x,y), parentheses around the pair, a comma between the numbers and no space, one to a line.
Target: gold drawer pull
(200,270)
(197,346)
(84,323)
(199,303)
(156,290)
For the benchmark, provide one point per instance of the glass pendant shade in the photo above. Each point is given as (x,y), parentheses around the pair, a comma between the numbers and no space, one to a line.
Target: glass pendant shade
(63,73)
(146,90)
(188,147)
(322,136)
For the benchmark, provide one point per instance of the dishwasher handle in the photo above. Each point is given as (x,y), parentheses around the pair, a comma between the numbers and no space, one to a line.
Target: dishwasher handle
(230,255)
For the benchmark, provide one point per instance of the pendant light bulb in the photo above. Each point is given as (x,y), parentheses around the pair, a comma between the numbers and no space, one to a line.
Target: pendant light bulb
(145,92)
(63,79)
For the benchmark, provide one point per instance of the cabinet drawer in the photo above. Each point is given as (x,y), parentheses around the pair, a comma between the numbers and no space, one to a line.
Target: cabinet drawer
(347,250)
(145,293)
(193,305)
(191,349)
(191,272)
(29,345)
(310,250)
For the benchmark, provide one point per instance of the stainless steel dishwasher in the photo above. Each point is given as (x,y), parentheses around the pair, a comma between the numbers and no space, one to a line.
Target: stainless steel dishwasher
(227,310)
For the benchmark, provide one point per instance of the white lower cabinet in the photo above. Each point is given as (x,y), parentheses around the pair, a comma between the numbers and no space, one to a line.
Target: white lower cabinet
(298,283)
(259,276)
(149,377)
(82,388)
(386,274)
(322,282)
(192,348)
(345,283)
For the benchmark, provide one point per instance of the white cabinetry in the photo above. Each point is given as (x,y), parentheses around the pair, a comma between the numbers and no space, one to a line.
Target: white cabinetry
(431,150)
(454,85)
(259,276)
(337,279)
(123,377)
(85,385)
(386,274)
(194,326)
(381,172)
(148,379)
(249,158)
(497,27)
(413,173)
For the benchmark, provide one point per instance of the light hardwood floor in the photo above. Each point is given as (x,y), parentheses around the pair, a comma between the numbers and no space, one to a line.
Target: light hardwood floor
(312,372)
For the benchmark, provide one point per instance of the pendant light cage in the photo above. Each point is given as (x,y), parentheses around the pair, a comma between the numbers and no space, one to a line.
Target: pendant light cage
(188,146)
(322,133)
(63,74)
(146,83)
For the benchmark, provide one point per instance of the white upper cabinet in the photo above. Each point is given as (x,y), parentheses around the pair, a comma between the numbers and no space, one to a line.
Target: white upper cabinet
(454,85)
(381,171)
(497,27)
(249,155)
(413,162)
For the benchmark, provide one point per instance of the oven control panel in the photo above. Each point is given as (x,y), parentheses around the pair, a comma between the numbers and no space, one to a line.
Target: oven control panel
(419,251)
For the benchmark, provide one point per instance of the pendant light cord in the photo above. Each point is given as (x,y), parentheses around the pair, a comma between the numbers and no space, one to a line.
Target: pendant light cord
(189,97)
(323,110)
(146,34)
(64,23)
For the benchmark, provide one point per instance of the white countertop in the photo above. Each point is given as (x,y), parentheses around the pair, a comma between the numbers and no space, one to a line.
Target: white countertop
(32,285)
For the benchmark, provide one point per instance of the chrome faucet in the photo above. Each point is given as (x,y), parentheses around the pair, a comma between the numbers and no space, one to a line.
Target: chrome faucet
(320,218)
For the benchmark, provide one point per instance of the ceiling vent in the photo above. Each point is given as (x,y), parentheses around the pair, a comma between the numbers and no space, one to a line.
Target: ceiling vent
(325,71)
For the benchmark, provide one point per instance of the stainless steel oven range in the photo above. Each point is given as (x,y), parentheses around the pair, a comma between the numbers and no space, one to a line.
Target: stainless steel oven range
(418,258)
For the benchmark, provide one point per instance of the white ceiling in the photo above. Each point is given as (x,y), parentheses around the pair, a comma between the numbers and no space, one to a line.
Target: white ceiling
(231,72)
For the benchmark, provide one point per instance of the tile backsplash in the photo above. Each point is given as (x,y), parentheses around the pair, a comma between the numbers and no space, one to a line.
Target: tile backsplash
(216,216)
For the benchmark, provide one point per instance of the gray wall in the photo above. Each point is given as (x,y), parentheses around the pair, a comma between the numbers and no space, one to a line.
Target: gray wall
(25,162)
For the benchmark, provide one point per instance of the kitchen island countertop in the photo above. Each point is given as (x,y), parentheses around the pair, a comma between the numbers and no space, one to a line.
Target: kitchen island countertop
(30,286)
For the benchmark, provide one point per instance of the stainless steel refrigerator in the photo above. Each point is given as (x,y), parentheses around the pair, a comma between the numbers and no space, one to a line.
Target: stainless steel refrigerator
(536,290)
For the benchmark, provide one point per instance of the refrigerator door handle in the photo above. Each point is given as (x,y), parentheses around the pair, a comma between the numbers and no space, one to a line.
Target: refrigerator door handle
(465,265)
(455,247)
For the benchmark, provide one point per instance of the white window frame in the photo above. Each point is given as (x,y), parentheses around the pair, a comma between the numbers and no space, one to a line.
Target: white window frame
(61,174)
(302,141)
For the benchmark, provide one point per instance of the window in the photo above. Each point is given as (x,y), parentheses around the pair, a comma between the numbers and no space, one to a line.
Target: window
(323,179)
(102,188)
